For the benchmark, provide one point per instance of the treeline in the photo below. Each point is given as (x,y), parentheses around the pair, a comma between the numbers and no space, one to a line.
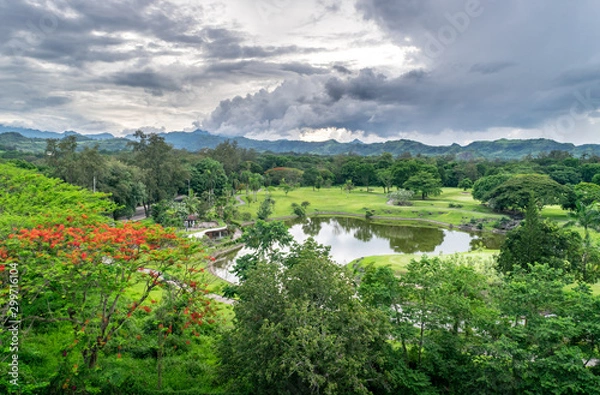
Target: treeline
(154,172)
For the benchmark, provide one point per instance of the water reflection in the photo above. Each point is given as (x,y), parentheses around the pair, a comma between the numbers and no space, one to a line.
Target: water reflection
(352,238)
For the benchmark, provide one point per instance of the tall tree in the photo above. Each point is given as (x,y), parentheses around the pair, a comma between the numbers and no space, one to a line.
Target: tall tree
(588,217)
(162,172)
(300,329)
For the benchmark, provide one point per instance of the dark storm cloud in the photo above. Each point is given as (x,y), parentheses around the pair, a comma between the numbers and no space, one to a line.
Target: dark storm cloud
(486,64)
(153,82)
(79,33)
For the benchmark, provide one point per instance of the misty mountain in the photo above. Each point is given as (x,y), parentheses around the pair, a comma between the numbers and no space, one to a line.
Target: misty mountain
(30,140)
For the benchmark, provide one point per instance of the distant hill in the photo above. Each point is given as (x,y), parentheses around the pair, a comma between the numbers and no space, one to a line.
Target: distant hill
(16,141)
(30,140)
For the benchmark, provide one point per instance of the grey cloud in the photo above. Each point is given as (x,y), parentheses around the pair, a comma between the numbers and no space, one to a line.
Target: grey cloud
(150,80)
(490,67)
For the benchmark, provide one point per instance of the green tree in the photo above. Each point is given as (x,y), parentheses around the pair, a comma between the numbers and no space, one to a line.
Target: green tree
(539,241)
(588,217)
(266,239)
(465,184)
(162,172)
(514,193)
(366,174)
(348,186)
(208,176)
(483,187)
(386,178)
(300,209)
(424,183)
(311,176)
(587,193)
(266,208)
(255,182)
(285,187)
(124,183)
(300,329)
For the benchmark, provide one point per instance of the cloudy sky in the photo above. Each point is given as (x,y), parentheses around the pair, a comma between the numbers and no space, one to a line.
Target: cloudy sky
(436,71)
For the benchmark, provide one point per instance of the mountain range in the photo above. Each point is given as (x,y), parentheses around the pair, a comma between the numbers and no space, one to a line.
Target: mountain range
(33,141)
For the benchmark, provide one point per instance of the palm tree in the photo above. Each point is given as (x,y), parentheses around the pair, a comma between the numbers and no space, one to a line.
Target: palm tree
(588,217)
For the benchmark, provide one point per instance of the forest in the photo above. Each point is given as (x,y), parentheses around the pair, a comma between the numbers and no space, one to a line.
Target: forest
(94,302)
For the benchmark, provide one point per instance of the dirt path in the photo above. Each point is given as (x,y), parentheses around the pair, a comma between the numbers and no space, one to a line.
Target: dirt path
(241,201)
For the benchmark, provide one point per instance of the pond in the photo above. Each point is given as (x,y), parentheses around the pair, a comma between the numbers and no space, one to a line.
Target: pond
(352,238)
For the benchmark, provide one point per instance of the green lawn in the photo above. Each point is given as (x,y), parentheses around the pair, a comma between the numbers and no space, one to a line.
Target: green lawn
(334,201)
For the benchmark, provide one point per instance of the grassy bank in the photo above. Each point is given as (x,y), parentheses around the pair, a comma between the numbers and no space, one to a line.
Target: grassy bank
(398,262)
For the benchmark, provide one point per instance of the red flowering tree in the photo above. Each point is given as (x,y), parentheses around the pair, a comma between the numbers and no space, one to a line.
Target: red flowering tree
(96,277)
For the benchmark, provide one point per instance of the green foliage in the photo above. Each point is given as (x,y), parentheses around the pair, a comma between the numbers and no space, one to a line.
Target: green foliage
(299,329)
(539,241)
(424,183)
(162,172)
(291,175)
(299,210)
(514,193)
(401,197)
(265,209)
(29,199)
(465,184)
(266,239)
(483,187)
(348,186)
(168,213)
(587,193)
(208,177)
(285,187)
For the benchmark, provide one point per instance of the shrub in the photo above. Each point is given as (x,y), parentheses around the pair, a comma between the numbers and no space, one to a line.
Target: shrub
(401,197)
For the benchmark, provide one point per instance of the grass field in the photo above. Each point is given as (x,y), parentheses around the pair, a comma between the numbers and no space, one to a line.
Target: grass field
(333,200)
(435,209)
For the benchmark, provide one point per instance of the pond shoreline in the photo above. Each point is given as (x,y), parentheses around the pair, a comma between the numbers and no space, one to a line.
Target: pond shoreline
(384,220)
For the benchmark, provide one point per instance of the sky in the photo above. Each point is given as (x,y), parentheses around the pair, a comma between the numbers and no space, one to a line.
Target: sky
(435,71)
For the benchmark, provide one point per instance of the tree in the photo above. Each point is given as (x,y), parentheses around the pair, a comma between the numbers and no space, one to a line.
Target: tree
(33,200)
(588,217)
(124,183)
(162,173)
(266,239)
(300,209)
(265,209)
(538,241)
(256,182)
(285,187)
(365,173)
(310,177)
(465,184)
(79,275)
(208,176)
(587,193)
(386,178)
(483,187)
(348,186)
(424,183)
(514,193)
(300,329)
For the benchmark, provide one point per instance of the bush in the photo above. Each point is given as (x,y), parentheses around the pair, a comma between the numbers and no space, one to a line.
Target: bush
(246,217)
(455,205)
(401,197)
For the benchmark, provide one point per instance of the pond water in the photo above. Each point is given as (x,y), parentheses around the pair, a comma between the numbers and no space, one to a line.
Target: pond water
(352,238)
